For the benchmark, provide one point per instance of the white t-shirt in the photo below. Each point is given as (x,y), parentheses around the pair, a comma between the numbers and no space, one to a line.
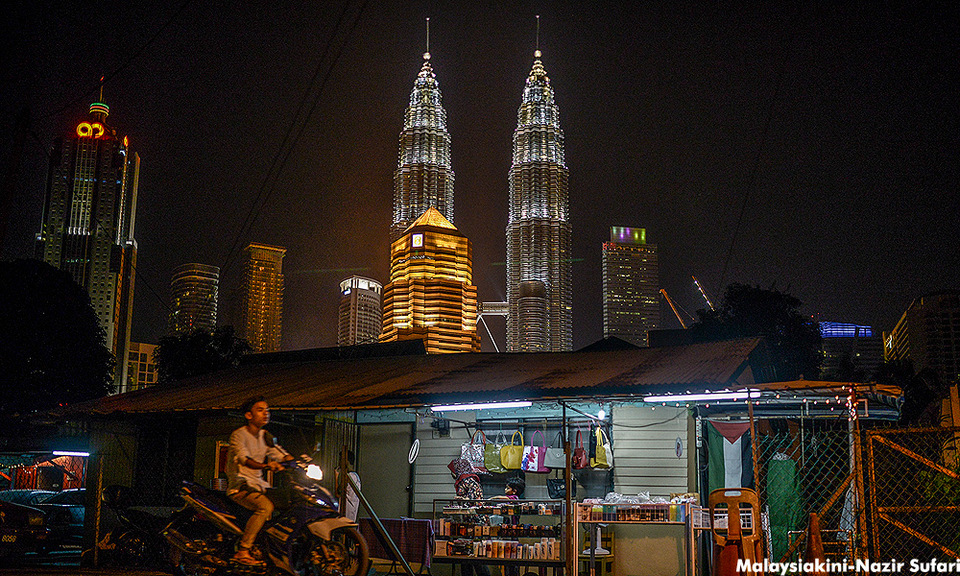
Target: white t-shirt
(245,445)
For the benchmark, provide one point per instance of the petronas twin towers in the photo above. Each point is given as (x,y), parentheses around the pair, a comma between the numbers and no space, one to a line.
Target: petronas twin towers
(539,290)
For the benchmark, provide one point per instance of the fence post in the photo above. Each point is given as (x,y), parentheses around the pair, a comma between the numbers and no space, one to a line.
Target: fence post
(857,457)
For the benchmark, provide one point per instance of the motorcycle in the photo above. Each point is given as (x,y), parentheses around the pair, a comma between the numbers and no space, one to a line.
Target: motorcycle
(309,537)
(136,541)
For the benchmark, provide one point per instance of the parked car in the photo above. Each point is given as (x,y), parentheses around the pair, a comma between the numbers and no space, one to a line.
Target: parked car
(22,529)
(64,515)
(25,497)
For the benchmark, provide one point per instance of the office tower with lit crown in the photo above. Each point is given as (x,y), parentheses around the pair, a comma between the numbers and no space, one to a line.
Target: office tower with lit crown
(431,295)
(261,306)
(360,318)
(928,334)
(538,229)
(193,298)
(631,281)
(88,222)
(424,177)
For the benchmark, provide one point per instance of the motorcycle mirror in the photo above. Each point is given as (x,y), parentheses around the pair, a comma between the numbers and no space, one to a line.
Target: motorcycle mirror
(414,451)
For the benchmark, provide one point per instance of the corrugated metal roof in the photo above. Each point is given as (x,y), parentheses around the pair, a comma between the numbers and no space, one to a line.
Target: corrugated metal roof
(417,380)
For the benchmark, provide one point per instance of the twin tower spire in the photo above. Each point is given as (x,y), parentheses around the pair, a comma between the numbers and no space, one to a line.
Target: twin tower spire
(539,289)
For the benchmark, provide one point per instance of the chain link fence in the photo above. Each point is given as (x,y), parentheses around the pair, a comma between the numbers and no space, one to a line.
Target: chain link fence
(913,480)
(802,470)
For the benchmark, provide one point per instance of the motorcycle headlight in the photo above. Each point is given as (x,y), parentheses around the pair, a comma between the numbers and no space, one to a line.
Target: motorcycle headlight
(314,472)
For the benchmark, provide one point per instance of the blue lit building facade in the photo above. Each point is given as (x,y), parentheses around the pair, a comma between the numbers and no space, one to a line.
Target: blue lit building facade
(849,347)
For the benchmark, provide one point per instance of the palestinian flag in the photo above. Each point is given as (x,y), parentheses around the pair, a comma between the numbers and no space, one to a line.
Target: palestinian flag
(730,463)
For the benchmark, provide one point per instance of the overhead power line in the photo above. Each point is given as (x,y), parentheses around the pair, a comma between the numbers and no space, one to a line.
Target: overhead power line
(268,186)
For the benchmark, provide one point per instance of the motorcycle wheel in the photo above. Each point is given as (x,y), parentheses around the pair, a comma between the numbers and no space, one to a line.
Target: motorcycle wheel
(132,549)
(345,554)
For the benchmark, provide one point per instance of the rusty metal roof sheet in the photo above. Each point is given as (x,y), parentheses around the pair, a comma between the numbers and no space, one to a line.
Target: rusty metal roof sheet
(420,379)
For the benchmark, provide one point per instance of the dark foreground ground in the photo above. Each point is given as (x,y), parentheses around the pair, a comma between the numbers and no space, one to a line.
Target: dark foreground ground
(65,563)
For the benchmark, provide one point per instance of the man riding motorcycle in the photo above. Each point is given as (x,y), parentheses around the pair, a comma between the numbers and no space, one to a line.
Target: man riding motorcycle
(250,453)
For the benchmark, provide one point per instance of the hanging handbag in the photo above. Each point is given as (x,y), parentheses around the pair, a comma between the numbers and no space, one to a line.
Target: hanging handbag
(533,455)
(491,454)
(472,452)
(604,457)
(512,454)
(554,457)
(557,488)
(579,460)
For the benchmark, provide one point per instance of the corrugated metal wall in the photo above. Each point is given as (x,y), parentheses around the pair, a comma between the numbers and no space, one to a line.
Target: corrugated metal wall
(644,442)
(645,450)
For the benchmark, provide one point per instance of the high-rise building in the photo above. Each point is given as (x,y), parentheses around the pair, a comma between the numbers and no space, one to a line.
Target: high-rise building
(928,334)
(141,366)
(360,318)
(424,177)
(538,228)
(849,347)
(193,298)
(88,222)
(430,295)
(631,307)
(261,304)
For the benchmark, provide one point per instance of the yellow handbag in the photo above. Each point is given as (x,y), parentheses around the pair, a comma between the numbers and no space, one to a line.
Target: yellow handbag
(604,458)
(511,455)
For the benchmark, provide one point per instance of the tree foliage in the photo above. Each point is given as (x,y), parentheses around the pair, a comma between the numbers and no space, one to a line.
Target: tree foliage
(794,340)
(52,348)
(922,391)
(199,352)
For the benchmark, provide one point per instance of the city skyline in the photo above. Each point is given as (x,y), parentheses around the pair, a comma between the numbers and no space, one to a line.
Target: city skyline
(834,126)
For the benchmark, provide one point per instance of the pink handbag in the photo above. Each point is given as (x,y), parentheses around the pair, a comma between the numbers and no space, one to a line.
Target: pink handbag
(533,455)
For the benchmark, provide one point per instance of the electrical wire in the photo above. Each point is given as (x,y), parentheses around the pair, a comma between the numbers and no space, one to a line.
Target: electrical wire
(283,152)
(752,179)
(122,66)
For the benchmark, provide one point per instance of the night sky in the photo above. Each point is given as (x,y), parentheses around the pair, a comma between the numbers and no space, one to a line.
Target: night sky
(834,129)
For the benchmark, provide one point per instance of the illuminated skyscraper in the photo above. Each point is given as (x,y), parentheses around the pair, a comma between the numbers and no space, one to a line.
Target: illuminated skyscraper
(88,222)
(424,177)
(261,306)
(360,318)
(430,295)
(631,307)
(928,334)
(538,229)
(193,298)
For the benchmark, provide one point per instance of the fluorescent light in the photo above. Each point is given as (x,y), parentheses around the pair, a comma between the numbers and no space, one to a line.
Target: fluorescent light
(61,453)
(698,397)
(481,406)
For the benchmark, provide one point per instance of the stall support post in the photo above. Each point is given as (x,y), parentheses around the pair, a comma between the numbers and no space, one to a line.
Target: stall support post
(753,449)
(857,470)
(570,548)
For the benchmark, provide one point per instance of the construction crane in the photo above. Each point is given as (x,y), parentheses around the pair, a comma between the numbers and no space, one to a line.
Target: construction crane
(703,293)
(674,306)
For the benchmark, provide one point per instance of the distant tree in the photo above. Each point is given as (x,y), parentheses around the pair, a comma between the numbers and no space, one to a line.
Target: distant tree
(199,352)
(846,371)
(52,348)
(794,340)
(922,391)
